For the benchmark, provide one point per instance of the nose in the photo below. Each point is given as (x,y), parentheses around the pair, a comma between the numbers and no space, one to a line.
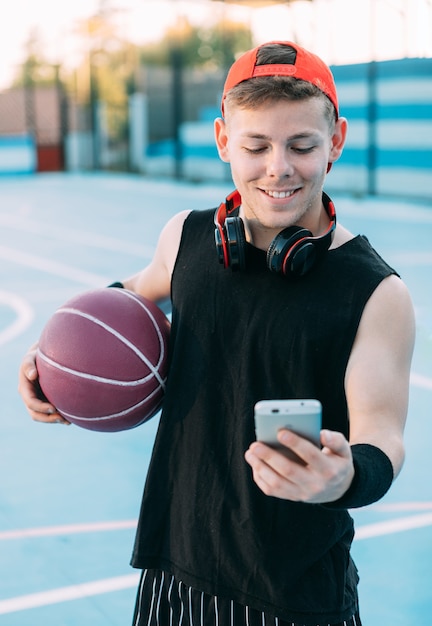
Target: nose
(279,163)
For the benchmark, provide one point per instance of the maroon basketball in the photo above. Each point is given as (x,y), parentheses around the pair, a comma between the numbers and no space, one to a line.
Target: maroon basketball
(102,359)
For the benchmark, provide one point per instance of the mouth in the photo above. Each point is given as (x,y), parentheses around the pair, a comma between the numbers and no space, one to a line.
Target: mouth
(279,194)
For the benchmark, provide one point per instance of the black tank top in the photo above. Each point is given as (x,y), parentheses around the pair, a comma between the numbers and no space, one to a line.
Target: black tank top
(239,337)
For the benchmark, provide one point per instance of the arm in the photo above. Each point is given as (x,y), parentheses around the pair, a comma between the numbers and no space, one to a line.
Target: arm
(376,386)
(153,282)
(377,376)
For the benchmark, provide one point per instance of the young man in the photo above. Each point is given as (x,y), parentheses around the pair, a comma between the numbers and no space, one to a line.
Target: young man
(286,305)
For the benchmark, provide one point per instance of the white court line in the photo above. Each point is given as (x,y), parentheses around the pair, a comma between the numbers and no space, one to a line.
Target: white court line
(24,318)
(420,381)
(402,506)
(70,235)
(66,529)
(64,594)
(52,267)
(393,526)
(107,585)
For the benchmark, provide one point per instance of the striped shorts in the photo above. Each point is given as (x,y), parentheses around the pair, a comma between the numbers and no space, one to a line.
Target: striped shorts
(163,600)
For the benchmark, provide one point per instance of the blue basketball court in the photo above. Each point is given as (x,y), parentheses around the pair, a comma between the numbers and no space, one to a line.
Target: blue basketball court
(69,497)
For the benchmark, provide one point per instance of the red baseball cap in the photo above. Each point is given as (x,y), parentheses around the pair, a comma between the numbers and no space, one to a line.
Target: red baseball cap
(307,66)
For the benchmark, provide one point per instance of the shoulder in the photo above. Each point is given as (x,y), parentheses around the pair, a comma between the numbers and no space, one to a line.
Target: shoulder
(388,311)
(171,235)
(174,226)
(172,231)
(392,299)
(358,260)
(389,316)
(169,240)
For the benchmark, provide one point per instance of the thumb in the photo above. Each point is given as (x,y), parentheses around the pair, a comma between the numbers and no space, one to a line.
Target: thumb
(335,442)
(31,372)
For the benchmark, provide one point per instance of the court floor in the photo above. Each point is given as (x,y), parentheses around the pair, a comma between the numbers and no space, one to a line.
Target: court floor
(69,498)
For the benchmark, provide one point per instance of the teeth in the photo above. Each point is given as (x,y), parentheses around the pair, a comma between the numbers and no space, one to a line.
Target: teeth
(280,194)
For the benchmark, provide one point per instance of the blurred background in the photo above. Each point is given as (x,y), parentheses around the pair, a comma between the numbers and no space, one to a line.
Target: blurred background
(134,85)
(106,131)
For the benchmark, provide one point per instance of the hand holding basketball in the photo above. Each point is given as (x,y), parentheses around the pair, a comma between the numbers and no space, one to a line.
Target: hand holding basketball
(28,387)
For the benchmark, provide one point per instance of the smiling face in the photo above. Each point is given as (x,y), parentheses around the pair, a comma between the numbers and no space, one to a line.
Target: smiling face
(279,154)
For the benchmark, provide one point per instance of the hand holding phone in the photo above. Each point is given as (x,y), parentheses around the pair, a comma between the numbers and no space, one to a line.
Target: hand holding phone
(302,417)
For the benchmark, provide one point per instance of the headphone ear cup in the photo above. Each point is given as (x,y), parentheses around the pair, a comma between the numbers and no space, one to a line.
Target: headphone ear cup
(236,242)
(284,246)
(221,248)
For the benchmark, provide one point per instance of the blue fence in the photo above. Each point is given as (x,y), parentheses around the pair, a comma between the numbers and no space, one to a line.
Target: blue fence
(389,110)
(388,152)
(18,154)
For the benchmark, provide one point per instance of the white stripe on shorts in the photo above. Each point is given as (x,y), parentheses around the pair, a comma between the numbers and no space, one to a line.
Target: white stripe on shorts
(181,603)
(169,599)
(140,597)
(159,598)
(190,607)
(152,602)
(155,601)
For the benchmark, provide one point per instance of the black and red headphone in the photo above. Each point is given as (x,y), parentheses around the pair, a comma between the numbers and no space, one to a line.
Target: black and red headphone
(293,252)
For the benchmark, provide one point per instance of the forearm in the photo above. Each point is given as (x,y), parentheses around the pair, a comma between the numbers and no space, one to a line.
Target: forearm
(373,477)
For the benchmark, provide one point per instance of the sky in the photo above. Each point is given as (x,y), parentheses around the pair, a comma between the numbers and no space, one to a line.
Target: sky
(341,31)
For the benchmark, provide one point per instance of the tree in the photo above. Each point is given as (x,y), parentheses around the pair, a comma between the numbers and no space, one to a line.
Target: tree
(205,48)
(35,69)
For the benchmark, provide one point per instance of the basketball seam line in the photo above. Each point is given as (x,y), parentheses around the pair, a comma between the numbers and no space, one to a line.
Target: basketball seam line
(123,413)
(125,341)
(99,379)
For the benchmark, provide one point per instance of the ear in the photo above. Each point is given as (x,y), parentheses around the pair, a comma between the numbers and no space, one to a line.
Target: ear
(338,139)
(221,138)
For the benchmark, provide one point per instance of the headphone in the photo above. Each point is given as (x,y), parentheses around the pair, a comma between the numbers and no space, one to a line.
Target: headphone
(293,252)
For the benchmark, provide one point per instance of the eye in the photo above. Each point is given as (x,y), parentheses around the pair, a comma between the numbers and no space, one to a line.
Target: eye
(256,150)
(303,150)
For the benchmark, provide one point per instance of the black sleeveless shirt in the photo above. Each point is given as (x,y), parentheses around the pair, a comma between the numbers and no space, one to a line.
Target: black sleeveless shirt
(236,338)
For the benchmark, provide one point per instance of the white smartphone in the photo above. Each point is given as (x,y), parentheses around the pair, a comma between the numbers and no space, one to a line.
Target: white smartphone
(301,416)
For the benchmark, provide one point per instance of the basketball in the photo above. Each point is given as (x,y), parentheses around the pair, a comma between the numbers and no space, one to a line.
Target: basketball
(102,359)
